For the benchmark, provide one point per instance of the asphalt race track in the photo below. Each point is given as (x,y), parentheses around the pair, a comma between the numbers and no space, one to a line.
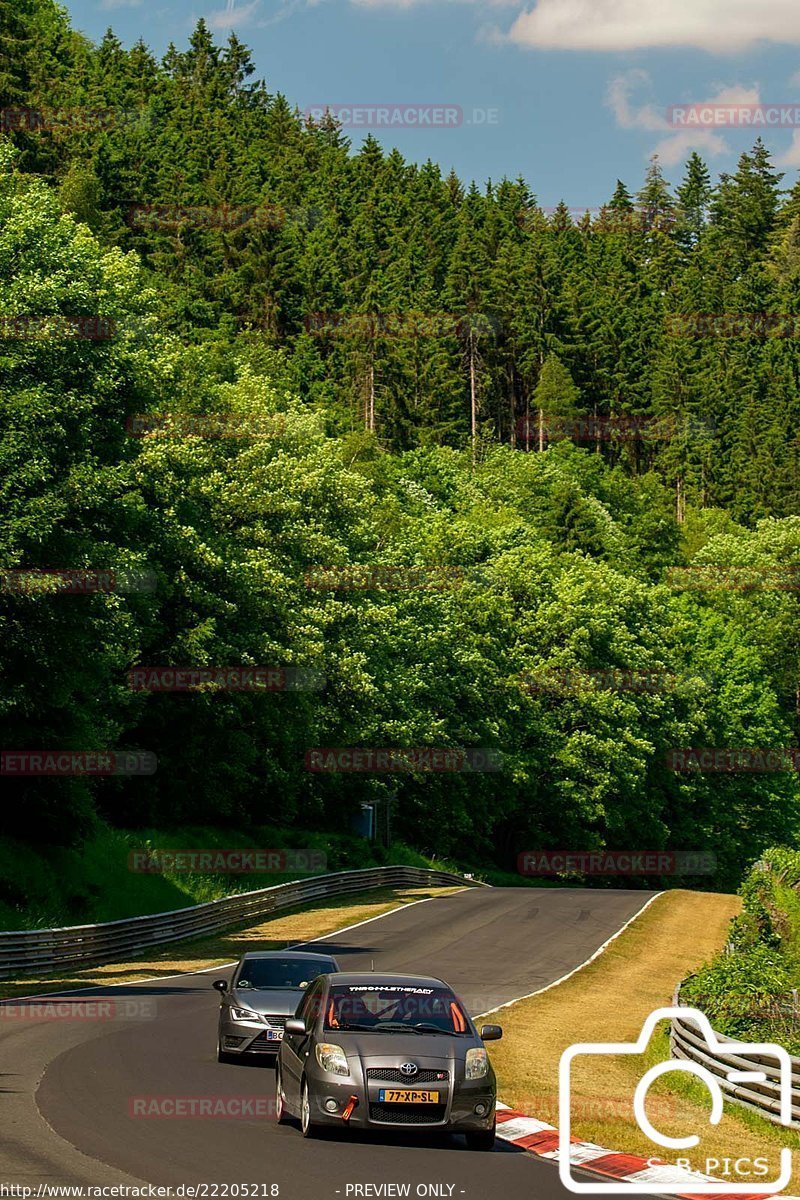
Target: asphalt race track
(67,1087)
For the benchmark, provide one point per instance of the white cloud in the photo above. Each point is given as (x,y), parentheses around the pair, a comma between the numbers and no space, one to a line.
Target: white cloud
(791,157)
(718,26)
(232,17)
(107,5)
(677,147)
(674,147)
(619,101)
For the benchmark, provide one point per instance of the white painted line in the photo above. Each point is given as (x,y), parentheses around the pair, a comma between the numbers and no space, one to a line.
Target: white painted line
(574,971)
(586,1152)
(520,1127)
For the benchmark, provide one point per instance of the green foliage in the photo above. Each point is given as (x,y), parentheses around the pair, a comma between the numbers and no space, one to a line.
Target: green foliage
(738,991)
(52,886)
(750,990)
(347,314)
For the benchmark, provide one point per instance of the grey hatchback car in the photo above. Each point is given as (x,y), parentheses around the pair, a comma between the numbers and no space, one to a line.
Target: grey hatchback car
(265,989)
(381,1052)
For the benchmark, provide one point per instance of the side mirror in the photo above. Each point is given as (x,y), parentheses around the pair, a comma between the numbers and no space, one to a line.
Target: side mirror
(220,984)
(296,1025)
(491,1033)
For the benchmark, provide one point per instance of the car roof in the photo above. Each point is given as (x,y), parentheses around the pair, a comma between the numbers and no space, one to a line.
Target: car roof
(289,953)
(380,979)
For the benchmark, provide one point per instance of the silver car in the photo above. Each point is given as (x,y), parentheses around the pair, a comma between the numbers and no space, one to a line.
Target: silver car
(383,1052)
(265,989)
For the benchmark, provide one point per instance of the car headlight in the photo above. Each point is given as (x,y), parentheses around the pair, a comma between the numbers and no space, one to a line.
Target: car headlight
(477,1063)
(244,1014)
(332,1058)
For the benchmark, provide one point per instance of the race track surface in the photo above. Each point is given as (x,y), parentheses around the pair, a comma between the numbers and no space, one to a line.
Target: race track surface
(67,1087)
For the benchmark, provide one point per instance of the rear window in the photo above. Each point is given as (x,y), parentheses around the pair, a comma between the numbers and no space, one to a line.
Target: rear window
(269,973)
(398,1008)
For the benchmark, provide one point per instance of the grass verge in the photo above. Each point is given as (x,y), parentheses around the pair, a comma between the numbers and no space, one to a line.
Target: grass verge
(295,925)
(608,1001)
(43,886)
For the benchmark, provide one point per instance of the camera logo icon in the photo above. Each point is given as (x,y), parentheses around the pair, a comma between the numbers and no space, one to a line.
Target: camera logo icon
(665,1180)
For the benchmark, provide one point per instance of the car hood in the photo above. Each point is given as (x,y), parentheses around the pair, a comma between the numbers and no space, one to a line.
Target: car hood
(388,1049)
(280,1001)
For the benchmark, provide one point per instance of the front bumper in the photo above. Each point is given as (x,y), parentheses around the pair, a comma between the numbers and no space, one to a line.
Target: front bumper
(249,1037)
(455,1114)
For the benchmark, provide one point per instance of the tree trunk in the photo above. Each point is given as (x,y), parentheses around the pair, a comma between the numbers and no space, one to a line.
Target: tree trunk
(370,398)
(680,502)
(473,404)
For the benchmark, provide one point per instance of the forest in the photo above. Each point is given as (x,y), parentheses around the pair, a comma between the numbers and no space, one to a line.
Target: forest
(463,474)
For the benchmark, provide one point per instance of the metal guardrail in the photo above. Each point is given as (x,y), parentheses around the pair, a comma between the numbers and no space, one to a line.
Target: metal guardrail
(80,945)
(687,1042)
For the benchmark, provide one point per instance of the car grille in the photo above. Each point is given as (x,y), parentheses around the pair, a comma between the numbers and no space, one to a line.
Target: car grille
(264,1043)
(395,1075)
(407,1114)
(275,1021)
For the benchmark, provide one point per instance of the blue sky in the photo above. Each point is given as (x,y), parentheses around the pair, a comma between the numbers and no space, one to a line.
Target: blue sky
(570,94)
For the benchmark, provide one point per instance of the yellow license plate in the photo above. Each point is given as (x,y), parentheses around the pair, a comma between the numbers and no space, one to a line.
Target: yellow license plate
(404,1096)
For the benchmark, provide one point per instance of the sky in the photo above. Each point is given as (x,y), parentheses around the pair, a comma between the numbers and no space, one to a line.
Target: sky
(569,94)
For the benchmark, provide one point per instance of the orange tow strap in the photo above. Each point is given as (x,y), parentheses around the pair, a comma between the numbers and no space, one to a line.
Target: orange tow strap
(348,1112)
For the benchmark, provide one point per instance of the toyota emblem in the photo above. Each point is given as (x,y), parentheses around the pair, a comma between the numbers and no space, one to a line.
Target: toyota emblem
(408,1069)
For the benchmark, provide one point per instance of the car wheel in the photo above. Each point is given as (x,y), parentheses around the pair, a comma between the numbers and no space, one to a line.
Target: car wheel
(481,1139)
(222,1056)
(308,1127)
(281,1111)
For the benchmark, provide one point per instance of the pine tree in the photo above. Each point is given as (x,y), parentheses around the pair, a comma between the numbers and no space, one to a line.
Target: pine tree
(556,400)
(654,202)
(694,200)
(622,200)
(746,206)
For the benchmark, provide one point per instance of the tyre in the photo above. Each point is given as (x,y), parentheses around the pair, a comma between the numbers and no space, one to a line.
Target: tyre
(281,1111)
(481,1139)
(310,1130)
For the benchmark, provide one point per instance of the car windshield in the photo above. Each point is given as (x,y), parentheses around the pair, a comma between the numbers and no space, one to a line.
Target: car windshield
(263,973)
(396,1008)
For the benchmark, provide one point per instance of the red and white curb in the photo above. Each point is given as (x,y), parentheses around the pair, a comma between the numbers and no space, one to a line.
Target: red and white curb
(542,1139)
